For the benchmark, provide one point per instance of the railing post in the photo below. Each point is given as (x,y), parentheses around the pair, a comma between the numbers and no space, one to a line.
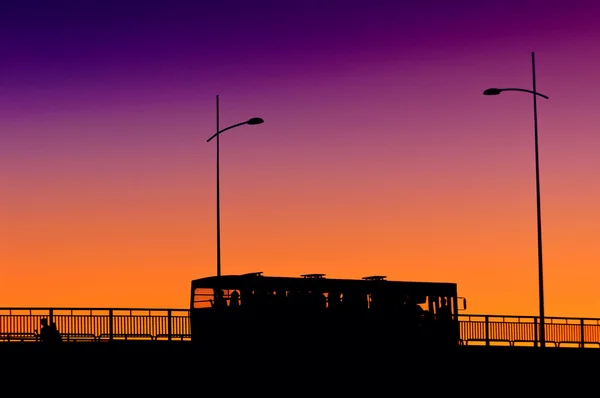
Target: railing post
(581,326)
(535,331)
(169,326)
(110,324)
(487,330)
(51,316)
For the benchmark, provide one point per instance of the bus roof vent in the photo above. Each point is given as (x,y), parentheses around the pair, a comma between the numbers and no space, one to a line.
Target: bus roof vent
(253,274)
(375,278)
(313,276)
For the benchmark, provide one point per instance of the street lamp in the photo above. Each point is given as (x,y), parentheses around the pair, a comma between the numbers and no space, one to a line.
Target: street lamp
(253,121)
(496,91)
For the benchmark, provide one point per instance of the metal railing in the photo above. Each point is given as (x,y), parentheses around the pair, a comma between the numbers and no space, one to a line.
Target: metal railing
(524,330)
(106,324)
(96,324)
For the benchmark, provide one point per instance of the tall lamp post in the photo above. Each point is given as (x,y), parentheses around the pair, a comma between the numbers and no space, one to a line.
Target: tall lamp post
(253,121)
(496,91)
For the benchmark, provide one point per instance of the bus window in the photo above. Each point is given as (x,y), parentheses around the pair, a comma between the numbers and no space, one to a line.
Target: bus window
(379,300)
(370,300)
(443,308)
(355,301)
(317,299)
(419,298)
(206,297)
(203,297)
(334,300)
(424,303)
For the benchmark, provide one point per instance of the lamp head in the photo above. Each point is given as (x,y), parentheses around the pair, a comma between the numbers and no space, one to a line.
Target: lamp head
(255,120)
(492,91)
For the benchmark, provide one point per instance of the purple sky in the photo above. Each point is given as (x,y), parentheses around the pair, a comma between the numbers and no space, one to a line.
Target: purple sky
(374,125)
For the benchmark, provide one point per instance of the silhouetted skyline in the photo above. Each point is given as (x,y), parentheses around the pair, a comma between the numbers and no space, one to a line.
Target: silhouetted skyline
(380,154)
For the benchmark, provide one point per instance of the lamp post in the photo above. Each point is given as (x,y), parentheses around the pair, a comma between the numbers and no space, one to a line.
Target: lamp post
(253,121)
(496,91)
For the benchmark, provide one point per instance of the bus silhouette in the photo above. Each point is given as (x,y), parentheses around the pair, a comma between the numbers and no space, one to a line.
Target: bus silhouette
(253,305)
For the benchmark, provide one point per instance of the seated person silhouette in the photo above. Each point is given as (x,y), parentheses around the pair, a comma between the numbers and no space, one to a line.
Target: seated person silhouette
(49,333)
(234,300)
(220,301)
(45,331)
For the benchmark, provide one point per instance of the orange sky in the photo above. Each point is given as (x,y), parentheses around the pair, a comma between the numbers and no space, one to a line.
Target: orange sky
(117,245)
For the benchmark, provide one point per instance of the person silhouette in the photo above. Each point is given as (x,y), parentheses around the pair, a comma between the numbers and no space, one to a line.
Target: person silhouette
(234,299)
(45,331)
(220,301)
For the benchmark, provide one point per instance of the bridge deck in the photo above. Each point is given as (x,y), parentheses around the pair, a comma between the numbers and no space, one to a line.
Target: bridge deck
(144,367)
(109,324)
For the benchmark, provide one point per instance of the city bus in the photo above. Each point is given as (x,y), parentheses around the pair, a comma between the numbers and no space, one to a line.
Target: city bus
(253,305)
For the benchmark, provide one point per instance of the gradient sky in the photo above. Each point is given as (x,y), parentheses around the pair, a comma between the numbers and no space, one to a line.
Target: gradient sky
(379,154)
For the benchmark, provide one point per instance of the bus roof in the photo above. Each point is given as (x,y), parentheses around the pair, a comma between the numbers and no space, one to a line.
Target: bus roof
(256,280)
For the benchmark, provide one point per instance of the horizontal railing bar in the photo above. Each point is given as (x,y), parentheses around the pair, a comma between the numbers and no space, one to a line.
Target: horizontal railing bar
(95,308)
(527,316)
